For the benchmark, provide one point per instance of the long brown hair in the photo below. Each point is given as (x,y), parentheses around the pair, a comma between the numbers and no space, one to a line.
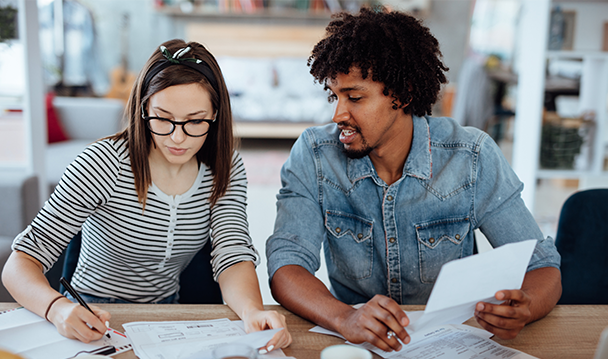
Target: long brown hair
(218,148)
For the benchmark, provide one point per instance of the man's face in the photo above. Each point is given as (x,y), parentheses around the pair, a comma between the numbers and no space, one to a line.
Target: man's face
(364,114)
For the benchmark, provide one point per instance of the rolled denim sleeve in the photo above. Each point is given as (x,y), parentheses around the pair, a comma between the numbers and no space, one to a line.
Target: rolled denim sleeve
(501,213)
(299,231)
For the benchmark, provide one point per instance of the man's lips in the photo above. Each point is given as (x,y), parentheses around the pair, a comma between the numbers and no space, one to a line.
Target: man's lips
(347,135)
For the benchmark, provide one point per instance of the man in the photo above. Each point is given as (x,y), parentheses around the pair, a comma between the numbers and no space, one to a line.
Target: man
(393,194)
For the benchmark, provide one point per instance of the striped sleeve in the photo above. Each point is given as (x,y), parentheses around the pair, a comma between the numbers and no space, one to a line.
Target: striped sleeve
(87,183)
(229,227)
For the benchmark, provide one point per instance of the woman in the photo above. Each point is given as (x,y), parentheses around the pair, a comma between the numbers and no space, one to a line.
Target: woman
(147,199)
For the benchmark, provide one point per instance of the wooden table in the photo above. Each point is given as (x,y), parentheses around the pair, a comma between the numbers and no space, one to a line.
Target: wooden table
(568,332)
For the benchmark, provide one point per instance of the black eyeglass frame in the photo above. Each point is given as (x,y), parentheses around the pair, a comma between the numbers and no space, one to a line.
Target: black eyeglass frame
(175,124)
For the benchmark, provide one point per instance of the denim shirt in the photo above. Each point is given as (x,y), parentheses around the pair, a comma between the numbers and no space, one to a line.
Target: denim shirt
(393,240)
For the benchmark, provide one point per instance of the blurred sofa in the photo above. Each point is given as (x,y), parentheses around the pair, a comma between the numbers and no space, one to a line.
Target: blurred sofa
(19,205)
(84,120)
(277,89)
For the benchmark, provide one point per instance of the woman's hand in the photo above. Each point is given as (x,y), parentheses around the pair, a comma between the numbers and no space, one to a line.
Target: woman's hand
(256,320)
(241,291)
(75,322)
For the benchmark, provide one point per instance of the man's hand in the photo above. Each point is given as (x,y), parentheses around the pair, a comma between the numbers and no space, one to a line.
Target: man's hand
(507,319)
(374,321)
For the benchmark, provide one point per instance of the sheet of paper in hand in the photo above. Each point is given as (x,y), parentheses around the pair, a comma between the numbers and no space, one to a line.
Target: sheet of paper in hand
(462,283)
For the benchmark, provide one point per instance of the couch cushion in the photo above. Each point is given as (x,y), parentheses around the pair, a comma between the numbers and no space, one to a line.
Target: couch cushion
(55,132)
(5,251)
(19,202)
(59,155)
(89,118)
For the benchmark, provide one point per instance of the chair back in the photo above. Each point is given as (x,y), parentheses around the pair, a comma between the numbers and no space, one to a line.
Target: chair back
(582,241)
(196,281)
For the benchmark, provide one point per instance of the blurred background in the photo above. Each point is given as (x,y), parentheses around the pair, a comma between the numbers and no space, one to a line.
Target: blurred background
(533,74)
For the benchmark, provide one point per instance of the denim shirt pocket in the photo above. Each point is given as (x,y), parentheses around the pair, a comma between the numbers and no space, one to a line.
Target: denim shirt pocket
(438,243)
(350,243)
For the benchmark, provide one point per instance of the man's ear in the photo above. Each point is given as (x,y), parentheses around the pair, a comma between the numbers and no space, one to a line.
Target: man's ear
(398,104)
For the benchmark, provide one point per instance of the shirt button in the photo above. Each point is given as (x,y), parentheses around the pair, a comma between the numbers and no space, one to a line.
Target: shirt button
(392,240)
(457,236)
(171,231)
(338,230)
(390,198)
(394,280)
(360,235)
(173,207)
(432,240)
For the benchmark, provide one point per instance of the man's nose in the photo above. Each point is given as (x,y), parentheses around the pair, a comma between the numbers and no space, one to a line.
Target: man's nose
(341,113)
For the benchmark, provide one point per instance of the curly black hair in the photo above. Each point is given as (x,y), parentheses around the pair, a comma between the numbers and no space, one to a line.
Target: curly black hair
(400,51)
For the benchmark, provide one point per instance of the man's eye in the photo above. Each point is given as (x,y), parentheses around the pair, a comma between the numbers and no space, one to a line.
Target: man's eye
(354,99)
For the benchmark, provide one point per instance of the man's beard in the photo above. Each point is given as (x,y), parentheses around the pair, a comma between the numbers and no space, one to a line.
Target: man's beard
(357,154)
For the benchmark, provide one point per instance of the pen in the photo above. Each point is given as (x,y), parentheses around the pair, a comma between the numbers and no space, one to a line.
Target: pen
(77,296)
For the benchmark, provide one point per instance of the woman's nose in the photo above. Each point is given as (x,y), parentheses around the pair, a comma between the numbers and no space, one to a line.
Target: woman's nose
(178,134)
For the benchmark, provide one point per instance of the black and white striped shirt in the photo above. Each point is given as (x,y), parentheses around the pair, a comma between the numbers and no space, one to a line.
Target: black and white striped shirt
(130,254)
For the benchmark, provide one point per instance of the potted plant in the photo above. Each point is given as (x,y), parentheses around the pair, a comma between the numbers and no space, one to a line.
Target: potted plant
(8,23)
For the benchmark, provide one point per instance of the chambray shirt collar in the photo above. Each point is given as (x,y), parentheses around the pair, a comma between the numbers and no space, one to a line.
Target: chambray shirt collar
(418,163)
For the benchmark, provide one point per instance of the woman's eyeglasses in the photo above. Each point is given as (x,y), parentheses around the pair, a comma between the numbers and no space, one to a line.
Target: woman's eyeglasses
(164,127)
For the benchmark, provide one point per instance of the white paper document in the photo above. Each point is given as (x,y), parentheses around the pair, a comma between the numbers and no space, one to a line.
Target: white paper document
(192,339)
(454,342)
(461,284)
(25,333)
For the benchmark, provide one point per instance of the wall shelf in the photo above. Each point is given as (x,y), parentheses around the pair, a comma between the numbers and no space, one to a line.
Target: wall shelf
(285,130)
(566,174)
(266,14)
(591,89)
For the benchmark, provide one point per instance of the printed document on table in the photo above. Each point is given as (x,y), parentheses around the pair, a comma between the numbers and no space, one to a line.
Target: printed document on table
(25,333)
(191,339)
(454,342)
(449,341)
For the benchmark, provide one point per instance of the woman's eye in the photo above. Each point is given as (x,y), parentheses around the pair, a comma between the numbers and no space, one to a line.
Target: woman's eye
(331,98)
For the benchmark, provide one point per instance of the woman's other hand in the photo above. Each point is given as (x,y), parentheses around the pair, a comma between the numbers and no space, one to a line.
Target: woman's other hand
(257,320)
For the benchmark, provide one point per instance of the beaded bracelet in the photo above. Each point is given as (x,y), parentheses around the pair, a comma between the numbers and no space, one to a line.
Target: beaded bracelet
(49,307)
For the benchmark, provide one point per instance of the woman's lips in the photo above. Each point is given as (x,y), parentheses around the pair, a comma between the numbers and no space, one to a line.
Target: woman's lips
(177,151)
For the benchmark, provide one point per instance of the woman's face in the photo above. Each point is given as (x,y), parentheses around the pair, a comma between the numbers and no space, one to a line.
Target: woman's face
(179,103)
